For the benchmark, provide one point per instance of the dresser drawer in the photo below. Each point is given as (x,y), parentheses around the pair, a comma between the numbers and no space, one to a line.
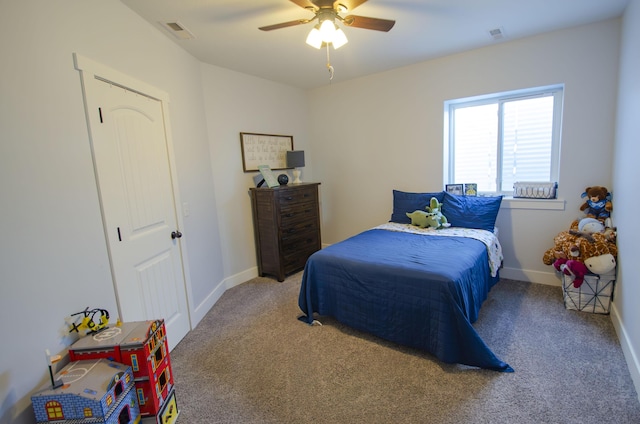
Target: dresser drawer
(304,235)
(296,255)
(297,196)
(303,212)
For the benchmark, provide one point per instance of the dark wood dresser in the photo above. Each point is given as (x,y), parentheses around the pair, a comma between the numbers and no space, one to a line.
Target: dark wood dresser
(286,221)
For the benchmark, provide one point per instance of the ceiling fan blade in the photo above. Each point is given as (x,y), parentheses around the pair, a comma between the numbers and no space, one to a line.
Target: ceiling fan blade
(351,4)
(305,4)
(369,23)
(285,24)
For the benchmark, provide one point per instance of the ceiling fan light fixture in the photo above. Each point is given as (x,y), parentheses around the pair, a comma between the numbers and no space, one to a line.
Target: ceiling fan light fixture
(327,30)
(339,39)
(314,39)
(317,39)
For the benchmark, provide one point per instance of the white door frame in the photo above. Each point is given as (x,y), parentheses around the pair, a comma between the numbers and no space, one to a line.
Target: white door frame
(91,69)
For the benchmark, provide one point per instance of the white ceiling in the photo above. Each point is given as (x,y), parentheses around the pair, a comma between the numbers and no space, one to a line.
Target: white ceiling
(226,32)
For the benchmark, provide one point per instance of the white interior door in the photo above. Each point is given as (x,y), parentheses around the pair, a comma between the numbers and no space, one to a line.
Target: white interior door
(131,157)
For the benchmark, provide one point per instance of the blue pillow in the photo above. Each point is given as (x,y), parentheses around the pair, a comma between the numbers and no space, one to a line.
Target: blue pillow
(404,202)
(471,211)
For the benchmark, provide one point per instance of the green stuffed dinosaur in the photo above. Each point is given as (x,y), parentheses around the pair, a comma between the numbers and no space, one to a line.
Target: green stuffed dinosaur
(431,218)
(418,218)
(435,218)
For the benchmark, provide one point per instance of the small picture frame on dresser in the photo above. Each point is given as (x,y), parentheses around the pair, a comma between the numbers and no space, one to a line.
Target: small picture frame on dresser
(268,175)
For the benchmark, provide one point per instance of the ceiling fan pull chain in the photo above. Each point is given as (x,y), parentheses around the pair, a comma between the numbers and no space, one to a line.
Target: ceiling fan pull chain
(329,67)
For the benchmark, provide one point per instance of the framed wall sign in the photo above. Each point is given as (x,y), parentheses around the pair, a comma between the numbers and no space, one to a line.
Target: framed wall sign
(264,149)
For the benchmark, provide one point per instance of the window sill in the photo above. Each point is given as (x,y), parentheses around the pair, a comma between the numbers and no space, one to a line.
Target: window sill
(542,204)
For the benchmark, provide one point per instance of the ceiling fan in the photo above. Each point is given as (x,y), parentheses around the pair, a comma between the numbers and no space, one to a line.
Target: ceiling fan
(327,12)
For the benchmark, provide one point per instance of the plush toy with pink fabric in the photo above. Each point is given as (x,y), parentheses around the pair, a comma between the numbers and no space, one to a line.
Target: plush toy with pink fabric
(574,269)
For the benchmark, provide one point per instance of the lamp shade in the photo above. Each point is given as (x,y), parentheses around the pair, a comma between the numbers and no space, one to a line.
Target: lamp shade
(339,39)
(327,30)
(314,39)
(295,158)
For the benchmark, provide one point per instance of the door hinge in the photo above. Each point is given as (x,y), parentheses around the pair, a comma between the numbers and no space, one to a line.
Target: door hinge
(100,113)
(119,235)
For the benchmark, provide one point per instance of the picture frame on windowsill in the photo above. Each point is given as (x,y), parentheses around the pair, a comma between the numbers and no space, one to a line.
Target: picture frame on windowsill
(457,189)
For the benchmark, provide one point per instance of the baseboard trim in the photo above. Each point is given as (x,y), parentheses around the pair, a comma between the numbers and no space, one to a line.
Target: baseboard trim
(630,355)
(548,278)
(201,310)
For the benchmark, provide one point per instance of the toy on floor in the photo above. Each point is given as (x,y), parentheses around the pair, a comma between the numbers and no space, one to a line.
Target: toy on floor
(89,324)
(93,391)
(143,345)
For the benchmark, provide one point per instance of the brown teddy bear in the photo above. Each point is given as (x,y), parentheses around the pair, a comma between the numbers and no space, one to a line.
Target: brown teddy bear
(598,204)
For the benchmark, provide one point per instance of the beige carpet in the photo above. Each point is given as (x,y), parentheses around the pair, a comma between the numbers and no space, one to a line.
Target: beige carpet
(251,361)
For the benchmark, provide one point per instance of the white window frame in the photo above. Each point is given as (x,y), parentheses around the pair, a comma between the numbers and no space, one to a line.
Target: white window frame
(557,91)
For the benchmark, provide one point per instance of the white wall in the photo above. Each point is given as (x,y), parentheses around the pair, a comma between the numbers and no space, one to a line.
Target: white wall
(238,103)
(385,132)
(54,259)
(627,205)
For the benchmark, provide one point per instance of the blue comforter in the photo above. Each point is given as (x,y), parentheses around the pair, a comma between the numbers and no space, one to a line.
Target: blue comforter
(415,290)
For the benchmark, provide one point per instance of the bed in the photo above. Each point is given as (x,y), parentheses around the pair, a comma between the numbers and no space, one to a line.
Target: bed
(422,288)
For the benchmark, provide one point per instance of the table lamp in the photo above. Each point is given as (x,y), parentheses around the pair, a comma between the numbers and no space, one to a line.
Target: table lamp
(295,160)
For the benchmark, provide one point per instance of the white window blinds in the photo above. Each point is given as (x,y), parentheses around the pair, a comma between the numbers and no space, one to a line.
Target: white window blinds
(496,141)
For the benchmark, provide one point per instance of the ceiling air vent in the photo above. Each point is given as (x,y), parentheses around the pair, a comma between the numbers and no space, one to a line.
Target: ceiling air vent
(497,33)
(178,30)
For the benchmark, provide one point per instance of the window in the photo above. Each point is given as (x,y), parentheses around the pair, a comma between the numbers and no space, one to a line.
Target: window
(497,140)
(54,410)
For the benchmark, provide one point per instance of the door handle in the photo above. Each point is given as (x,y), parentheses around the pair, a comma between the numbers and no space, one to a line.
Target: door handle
(176,234)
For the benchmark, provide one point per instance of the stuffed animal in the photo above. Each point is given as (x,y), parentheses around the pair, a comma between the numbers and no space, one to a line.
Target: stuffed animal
(590,226)
(576,246)
(563,248)
(418,218)
(587,226)
(575,269)
(435,218)
(577,253)
(429,218)
(596,245)
(601,264)
(598,204)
